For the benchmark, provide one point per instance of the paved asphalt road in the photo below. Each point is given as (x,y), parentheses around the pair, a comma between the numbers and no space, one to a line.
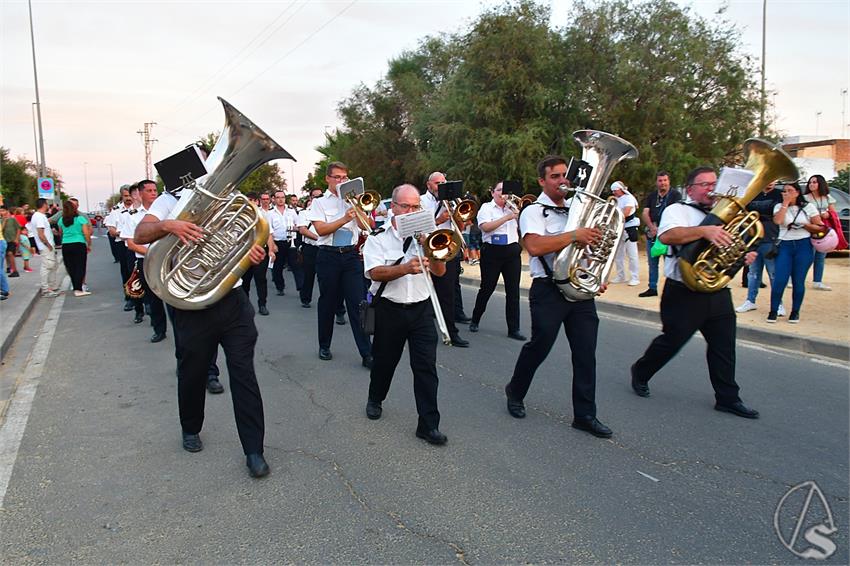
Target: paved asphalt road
(101,477)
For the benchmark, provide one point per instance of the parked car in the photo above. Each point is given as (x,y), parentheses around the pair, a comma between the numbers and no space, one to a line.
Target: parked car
(842,207)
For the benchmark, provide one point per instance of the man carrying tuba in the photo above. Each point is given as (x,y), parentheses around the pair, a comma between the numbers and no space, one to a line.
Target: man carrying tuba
(684,311)
(542,226)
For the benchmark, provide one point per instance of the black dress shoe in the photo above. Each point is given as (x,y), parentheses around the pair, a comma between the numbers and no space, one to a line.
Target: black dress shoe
(139,317)
(593,426)
(368,361)
(325,354)
(192,443)
(460,342)
(340,319)
(128,305)
(214,386)
(473,327)
(305,305)
(158,338)
(463,319)
(517,336)
(640,387)
(263,310)
(280,292)
(257,466)
(373,410)
(738,408)
(432,436)
(516,408)
(649,293)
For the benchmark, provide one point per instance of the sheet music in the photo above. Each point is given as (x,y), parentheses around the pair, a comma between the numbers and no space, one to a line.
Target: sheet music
(412,223)
(733,182)
(352,187)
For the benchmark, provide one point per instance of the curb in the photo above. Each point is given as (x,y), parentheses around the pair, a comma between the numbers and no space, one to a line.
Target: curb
(16,326)
(834,350)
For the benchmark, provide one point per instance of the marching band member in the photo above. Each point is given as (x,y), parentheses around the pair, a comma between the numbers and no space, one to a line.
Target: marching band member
(292,260)
(257,273)
(500,255)
(229,322)
(111,223)
(683,311)
(445,286)
(542,225)
(338,265)
(403,314)
(281,222)
(147,195)
(309,249)
(125,227)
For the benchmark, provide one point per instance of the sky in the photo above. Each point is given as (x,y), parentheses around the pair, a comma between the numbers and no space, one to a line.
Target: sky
(107,67)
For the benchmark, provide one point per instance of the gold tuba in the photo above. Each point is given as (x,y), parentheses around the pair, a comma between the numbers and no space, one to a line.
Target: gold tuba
(580,271)
(196,275)
(707,268)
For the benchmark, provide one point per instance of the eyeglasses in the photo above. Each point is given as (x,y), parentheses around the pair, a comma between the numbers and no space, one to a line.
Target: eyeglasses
(557,175)
(408,207)
(338,177)
(705,184)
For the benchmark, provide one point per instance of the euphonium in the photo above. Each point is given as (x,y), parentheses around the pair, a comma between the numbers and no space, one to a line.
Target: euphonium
(196,275)
(707,268)
(581,271)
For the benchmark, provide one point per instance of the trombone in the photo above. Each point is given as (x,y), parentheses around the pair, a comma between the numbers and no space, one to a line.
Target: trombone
(440,245)
(517,204)
(363,205)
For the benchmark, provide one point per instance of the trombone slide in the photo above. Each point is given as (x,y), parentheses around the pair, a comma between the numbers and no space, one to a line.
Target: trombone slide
(435,302)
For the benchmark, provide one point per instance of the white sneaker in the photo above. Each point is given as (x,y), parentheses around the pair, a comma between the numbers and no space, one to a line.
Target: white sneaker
(634,283)
(821,287)
(780,311)
(617,280)
(86,288)
(747,306)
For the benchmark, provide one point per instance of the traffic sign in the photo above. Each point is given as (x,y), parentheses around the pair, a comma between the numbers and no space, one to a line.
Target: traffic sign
(45,187)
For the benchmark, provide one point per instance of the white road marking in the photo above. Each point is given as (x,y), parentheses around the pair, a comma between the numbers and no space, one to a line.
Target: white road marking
(12,430)
(647,476)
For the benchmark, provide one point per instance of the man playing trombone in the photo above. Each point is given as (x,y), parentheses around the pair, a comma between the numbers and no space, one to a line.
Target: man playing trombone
(403,314)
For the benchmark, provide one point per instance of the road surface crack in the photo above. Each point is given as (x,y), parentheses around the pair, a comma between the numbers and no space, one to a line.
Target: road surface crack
(277,365)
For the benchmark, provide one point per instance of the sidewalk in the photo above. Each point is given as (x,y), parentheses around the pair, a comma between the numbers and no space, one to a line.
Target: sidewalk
(824,327)
(23,293)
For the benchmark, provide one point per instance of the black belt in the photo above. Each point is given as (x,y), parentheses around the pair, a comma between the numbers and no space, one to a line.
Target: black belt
(402,305)
(338,249)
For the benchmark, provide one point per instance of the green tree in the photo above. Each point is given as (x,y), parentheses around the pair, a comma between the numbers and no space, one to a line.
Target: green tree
(268,177)
(18,178)
(841,180)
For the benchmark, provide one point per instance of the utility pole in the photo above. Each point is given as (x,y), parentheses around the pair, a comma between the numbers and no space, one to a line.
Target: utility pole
(112,177)
(86,183)
(843,112)
(42,167)
(817,121)
(148,141)
(763,53)
(35,139)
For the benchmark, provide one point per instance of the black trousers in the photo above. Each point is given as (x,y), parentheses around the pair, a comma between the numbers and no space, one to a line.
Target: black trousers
(308,270)
(125,267)
(396,325)
(229,322)
(155,304)
(295,266)
(549,311)
(74,257)
(445,289)
(496,261)
(212,370)
(340,275)
(130,264)
(683,312)
(280,263)
(258,274)
(113,247)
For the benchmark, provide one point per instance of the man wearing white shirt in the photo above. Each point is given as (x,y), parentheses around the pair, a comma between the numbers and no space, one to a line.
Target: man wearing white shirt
(500,255)
(229,323)
(257,273)
(684,311)
(628,205)
(112,222)
(403,314)
(444,286)
(542,225)
(127,222)
(281,223)
(47,250)
(309,249)
(338,265)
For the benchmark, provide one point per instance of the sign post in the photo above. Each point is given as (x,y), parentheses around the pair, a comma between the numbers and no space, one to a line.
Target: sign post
(45,188)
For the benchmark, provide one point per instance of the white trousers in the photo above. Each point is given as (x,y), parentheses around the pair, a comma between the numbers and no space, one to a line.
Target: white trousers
(629,249)
(49,270)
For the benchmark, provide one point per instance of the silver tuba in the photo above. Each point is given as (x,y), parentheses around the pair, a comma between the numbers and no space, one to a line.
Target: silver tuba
(580,271)
(196,275)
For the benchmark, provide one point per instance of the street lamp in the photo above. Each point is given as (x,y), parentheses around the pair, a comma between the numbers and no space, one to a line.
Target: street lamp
(86,183)
(817,121)
(112,177)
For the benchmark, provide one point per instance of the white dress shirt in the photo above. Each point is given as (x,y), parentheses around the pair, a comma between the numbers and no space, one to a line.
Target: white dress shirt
(437,207)
(385,249)
(532,221)
(279,223)
(304,220)
(489,212)
(329,208)
(677,215)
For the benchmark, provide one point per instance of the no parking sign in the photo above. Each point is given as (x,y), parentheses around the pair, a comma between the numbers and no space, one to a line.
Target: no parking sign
(45,187)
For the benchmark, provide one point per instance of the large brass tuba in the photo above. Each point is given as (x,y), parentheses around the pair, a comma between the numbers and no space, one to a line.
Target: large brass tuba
(707,268)
(580,271)
(195,276)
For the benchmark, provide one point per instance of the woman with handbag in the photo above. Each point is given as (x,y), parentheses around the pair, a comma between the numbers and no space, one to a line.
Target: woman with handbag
(817,193)
(797,221)
(76,245)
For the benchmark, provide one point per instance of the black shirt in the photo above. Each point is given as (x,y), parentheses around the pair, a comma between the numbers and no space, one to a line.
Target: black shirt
(764,204)
(656,205)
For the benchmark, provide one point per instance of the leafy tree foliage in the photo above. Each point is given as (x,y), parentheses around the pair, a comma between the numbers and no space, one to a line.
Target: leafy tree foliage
(268,177)
(487,103)
(18,178)
(841,180)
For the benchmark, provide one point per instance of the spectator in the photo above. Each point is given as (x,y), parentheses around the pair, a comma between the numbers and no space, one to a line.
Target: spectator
(76,244)
(4,282)
(653,207)
(47,250)
(628,204)
(817,193)
(11,232)
(763,203)
(797,219)
(26,249)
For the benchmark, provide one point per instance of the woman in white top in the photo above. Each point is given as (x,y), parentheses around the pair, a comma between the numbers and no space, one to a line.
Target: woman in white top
(797,220)
(817,193)
(628,204)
